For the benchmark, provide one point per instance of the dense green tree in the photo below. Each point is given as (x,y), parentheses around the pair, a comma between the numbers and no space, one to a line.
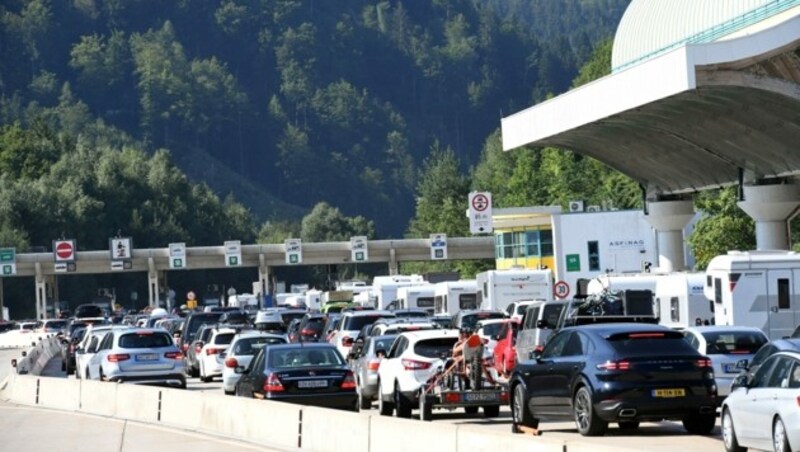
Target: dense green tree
(326,223)
(722,227)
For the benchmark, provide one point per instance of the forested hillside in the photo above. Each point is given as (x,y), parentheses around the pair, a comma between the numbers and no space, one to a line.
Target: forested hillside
(288,103)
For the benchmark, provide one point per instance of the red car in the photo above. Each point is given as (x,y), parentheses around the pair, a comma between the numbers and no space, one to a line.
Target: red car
(505,352)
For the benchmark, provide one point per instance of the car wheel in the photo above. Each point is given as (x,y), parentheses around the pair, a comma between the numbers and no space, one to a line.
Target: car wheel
(364,403)
(519,409)
(401,403)
(63,366)
(425,409)
(700,424)
(628,425)
(88,375)
(491,411)
(384,408)
(228,392)
(729,434)
(102,376)
(586,419)
(780,442)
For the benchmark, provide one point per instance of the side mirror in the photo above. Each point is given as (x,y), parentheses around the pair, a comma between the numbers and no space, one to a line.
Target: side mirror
(542,324)
(741,381)
(239,370)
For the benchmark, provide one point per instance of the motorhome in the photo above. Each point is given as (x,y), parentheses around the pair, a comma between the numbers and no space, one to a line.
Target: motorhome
(385,287)
(314,299)
(449,297)
(756,288)
(499,288)
(336,300)
(678,296)
(411,297)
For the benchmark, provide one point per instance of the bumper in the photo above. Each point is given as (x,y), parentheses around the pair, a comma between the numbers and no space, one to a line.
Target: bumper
(229,381)
(724,385)
(344,400)
(651,409)
(369,385)
(177,380)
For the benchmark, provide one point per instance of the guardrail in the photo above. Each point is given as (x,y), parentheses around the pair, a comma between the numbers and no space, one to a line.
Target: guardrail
(270,424)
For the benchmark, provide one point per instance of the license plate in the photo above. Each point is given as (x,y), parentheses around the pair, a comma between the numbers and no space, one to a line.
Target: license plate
(481,397)
(147,357)
(731,368)
(312,384)
(669,392)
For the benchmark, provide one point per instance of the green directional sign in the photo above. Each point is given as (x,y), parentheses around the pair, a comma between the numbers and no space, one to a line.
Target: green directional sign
(177,263)
(8,255)
(573,262)
(8,261)
(233,261)
(9,269)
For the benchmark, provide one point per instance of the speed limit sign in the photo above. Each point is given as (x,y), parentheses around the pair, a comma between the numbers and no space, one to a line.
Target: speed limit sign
(561,289)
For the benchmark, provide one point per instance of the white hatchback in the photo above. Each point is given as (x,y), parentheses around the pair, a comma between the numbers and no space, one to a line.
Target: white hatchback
(209,358)
(243,348)
(764,411)
(730,349)
(413,358)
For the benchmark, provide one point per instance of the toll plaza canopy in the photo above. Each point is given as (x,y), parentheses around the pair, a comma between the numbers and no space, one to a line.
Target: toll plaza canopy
(700,90)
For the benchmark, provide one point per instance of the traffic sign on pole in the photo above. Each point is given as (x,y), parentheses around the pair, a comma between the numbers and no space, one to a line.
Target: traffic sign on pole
(233,253)
(480,212)
(358,249)
(561,289)
(64,251)
(438,246)
(8,261)
(177,255)
(294,251)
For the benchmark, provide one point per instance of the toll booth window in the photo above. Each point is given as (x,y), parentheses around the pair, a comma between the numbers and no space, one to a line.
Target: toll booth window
(546,242)
(594,256)
(783,293)
(718,290)
(674,309)
(532,243)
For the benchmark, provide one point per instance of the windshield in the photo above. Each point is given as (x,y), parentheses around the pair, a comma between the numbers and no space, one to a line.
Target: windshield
(733,342)
(251,345)
(145,339)
(304,357)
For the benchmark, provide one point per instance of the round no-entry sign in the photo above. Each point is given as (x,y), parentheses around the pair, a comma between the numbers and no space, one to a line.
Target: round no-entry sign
(561,289)
(480,202)
(65,251)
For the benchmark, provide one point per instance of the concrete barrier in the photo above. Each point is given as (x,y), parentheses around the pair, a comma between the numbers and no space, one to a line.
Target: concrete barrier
(269,423)
(328,430)
(405,435)
(139,403)
(24,389)
(60,393)
(182,408)
(473,439)
(98,397)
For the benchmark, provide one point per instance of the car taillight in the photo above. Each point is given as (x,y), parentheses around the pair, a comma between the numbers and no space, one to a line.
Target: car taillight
(198,348)
(214,351)
(185,347)
(538,348)
(798,400)
(410,364)
(704,363)
(614,365)
(273,384)
(347,341)
(349,381)
(231,363)
(173,355)
(117,357)
(307,332)
(452,397)
(373,364)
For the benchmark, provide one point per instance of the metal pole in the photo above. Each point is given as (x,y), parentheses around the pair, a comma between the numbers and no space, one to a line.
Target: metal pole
(2,301)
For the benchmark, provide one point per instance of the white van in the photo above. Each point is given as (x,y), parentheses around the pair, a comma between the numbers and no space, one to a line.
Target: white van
(449,297)
(540,318)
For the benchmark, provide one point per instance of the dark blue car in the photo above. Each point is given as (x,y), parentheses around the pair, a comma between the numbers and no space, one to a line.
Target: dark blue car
(615,372)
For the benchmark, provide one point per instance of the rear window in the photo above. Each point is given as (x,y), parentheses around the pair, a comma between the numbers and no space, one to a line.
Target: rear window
(425,302)
(551,314)
(289,316)
(223,338)
(355,323)
(145,340)
(470,320)
(198,320)
(315,324)
(56,324)
(467,301)
(411,314)
(435,348)
(650,344)
(492,329)
(733,342)
(88,311)
(304,357)
(251,345)
(384,343)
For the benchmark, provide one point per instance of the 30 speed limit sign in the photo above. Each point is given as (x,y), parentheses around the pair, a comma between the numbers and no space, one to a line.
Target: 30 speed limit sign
(561,289)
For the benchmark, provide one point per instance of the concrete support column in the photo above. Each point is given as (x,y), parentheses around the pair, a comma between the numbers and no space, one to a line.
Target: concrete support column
(152,284)
(669,218)
(770,207)
(41,292)
(263,279)
(393,267)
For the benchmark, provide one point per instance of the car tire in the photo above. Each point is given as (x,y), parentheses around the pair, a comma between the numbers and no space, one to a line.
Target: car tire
(384,408)
(102,376)
(402,406)
(63,366)
(471,409)
(364,403)
(491,411)
(519,409)
(780,441)
(729,434)
(425,409)
(228,392)
(628,425)
(586,419)
(700,424)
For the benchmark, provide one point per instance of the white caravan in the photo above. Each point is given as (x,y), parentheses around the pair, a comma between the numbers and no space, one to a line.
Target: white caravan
(756,288)
(413,297)
(678,297)
(314,299)
(385,287)
(453,296)
(499,288)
